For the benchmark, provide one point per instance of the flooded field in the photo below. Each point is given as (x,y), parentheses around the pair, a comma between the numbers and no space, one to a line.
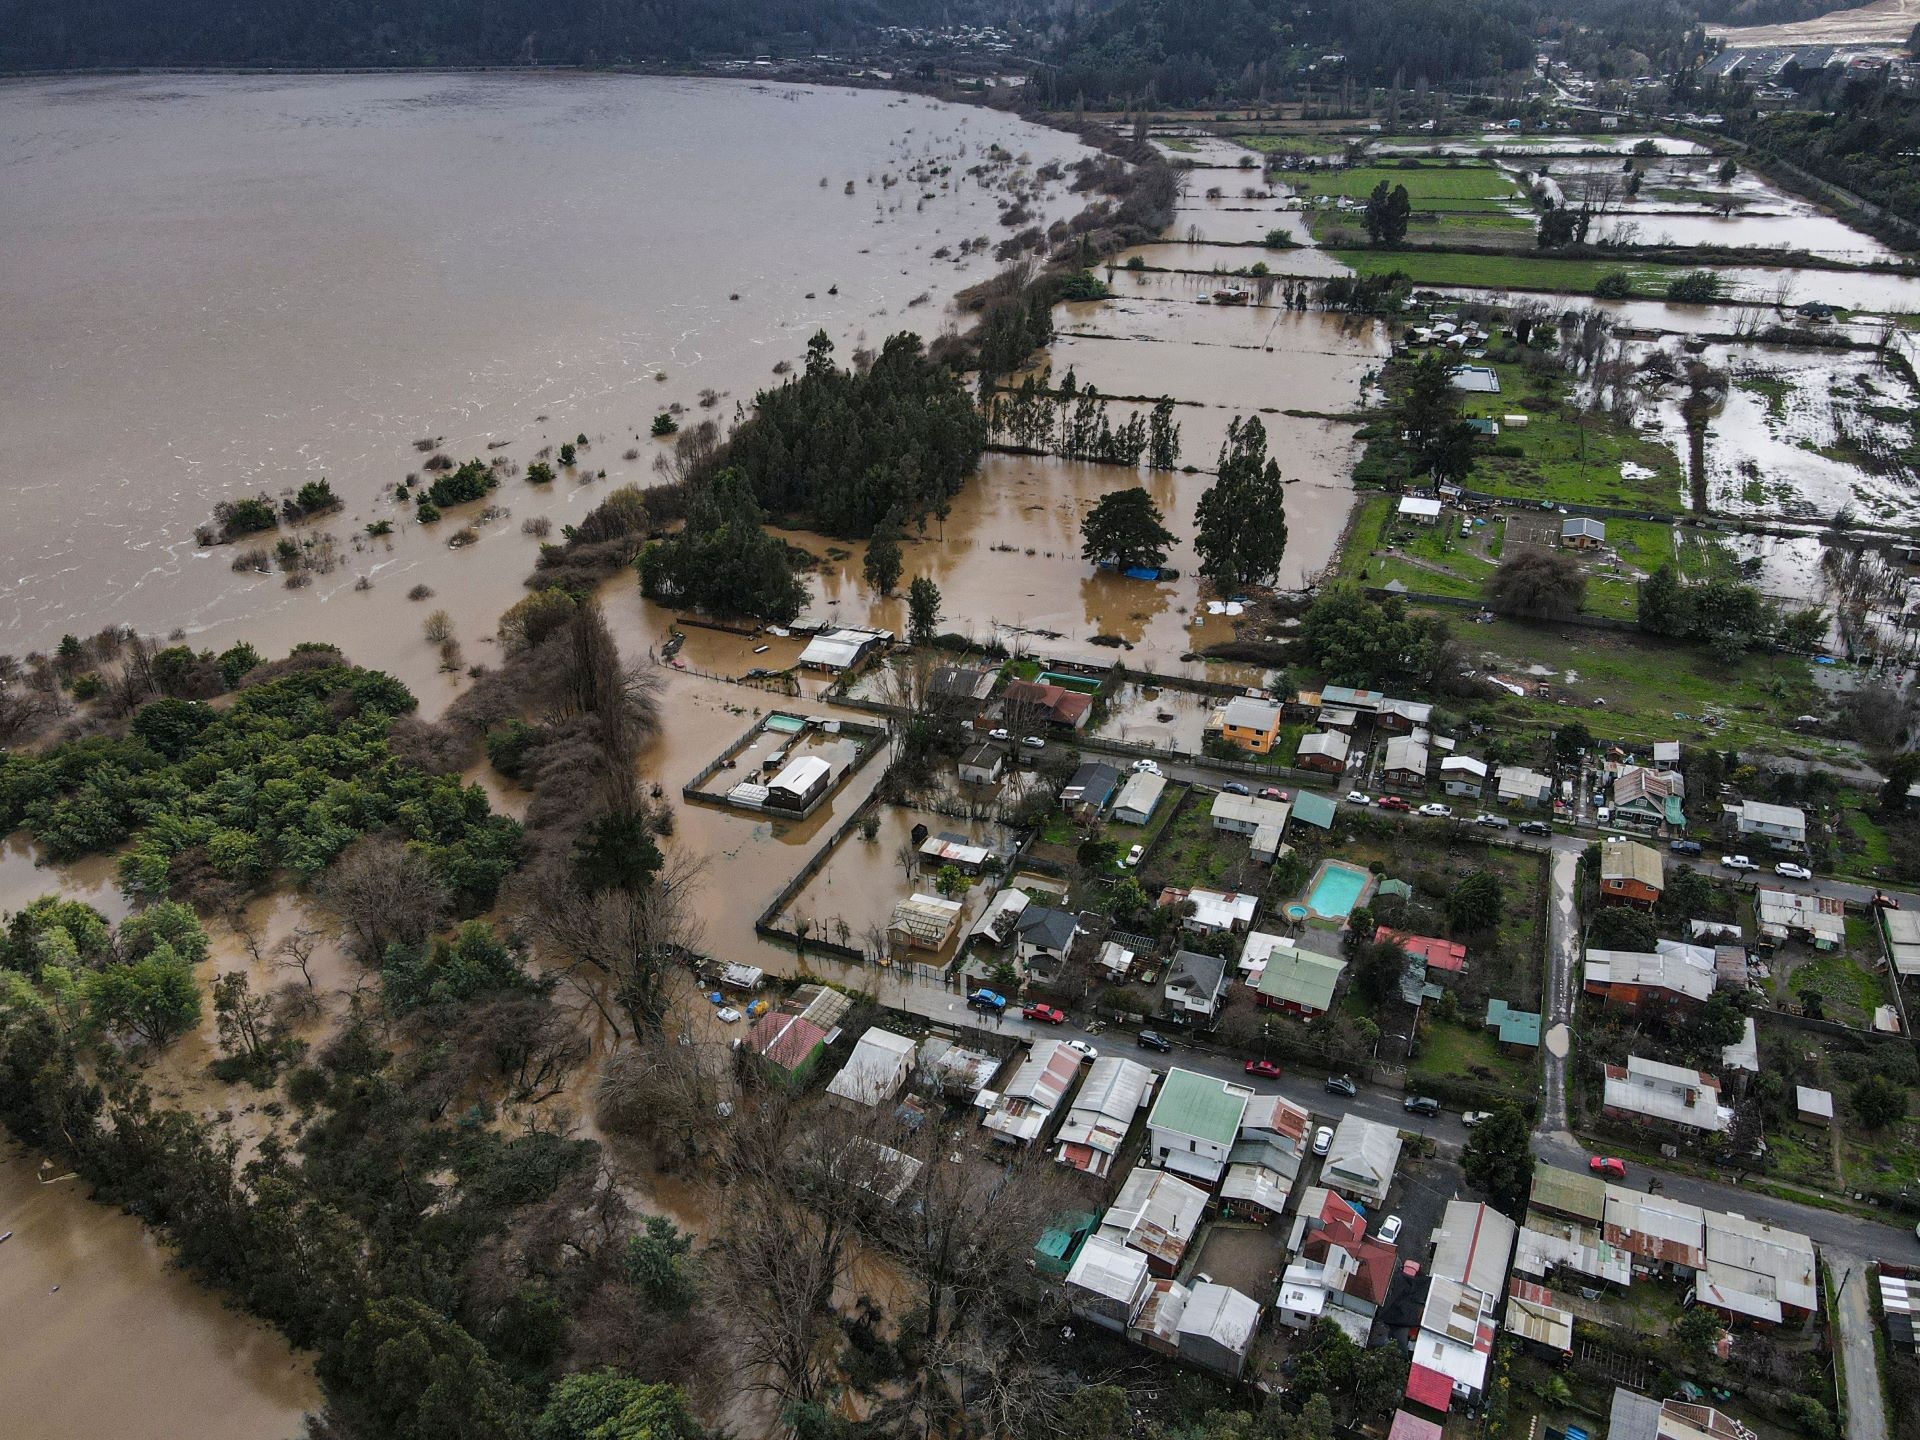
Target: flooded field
(104,1337)
(1508,143)
(1155,715)
(1228,260)
(272,305)
(1237,221)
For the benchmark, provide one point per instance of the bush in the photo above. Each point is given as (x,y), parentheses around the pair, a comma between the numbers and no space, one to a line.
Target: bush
(1696,287)
(428,512)
(234,518)
(1082,285)
(665,424)
(1614,285)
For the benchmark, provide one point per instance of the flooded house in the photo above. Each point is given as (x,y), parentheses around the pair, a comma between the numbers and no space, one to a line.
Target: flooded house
(924,922)
(837,650)
(1251,722)
(1055,705)
(875,1071)
(982,764)
(799,787)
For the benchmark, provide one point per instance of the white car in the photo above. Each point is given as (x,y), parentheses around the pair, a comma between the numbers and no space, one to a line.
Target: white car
(1323,1140)
(1032,742)
(1359,797)
(1792,871)
(1474,1117)
(1146,767)
(1738,862)
(728,1014)
(1134,856)
(1000,735)
(1389,1230)
(1087,1052)
(1435,810)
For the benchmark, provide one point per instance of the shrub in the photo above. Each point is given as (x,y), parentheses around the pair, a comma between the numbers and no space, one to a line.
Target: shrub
(665,424)
(1614,285)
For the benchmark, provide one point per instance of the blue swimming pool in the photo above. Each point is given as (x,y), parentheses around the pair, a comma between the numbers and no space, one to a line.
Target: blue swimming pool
(1336,889)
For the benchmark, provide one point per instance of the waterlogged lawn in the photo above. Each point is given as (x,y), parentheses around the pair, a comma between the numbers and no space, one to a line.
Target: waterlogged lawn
(1429,187)
(1297,144)
(1506,272)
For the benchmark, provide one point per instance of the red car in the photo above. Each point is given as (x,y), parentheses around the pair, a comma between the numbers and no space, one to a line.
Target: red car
(1271,793)
(1045,1013)
(1393,802)
(1610,1167)
(1265,1069)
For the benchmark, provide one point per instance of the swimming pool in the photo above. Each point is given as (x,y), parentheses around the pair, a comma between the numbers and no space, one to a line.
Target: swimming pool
(1337,887)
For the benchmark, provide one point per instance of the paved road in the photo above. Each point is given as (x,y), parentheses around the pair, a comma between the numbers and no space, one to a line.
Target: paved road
(1563,946)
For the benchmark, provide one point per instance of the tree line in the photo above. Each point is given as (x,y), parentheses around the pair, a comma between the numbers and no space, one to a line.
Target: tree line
(1072,422)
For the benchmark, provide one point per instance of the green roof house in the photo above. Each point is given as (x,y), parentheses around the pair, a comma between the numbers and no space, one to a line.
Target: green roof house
(1194,1124)
(1518,1031)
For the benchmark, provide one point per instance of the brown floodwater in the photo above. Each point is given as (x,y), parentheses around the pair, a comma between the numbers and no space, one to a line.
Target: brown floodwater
(104,1337)
(219,285)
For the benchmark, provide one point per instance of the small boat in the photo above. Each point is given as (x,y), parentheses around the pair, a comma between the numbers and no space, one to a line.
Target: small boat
(761,649)
(1232,295)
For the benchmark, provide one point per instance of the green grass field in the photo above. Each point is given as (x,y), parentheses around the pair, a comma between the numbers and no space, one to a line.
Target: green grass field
(1296,144)
(1429,187)
(1505,272)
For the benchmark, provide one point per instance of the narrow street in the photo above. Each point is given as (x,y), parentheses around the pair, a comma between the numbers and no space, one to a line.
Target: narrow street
(1853,1326)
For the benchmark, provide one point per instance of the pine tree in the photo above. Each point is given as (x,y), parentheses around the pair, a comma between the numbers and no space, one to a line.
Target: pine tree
(1241,521)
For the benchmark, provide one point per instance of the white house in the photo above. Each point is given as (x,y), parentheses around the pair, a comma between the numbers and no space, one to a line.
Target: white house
(1420,511)
(1108,1283)
(876,1069)
(1783,827)
(1650,1090)
(982,763)
(1361,1161)
(1115,1090)
(1521,786)
(1194,1123)
(1463,775)
(1196,984)
(1245,814)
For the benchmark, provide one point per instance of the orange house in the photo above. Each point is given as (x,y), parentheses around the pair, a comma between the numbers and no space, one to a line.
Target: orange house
(1631,874)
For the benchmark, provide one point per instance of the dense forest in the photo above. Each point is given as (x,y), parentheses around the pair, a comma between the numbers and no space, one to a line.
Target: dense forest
(1865,143)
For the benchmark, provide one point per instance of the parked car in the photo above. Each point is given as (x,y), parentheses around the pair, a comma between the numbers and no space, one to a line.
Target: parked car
(1389,1230)
(1154,1040)
(1433,809)
(1342,1085)
(1393,802)
(1234,787)
(1032,742)
(1792,871)
(1474,1117)
(727,1014)
(1000,734)
(1146,767)
(1684,847)
(990,1000)
(1087,1052)
(1274,793)
(1420,1105)
(1885,902)
(1738,862)
(1610,1166)
(1359,797)
(1323,1140)
(1135,855)
(1535,827)
(1492,822)
(1265,1069)
(1046,1014)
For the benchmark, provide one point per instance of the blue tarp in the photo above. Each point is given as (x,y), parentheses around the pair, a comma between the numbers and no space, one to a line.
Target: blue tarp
(1142,572)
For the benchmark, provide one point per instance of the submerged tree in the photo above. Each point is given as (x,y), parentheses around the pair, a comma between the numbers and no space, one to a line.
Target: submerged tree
(1241,522)
(1123,529)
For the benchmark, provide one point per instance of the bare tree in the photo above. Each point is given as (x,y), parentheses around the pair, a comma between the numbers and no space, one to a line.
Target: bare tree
(383,892)
(296,951)
(669,1088)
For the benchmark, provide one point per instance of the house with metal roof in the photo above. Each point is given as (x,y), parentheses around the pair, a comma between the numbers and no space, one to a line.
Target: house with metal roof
(1573,1193)
(1653,1092)
(1139,798)
(1312,809)
(925,922)
(1090,789)
(1744,1054)
(1026,1103)
(1158,1214)
(1324,750)
(1638,1417)
(1024,701)
(1527,788)
(1419,509)
(1473,1244)
(842,649)
(1816,920)
(1675,976)
(1108,1283)
(1549,1247)
(789,1043)
(1043,936)
(1217,1328)
(876,1069)
(1537,1317)
(1196,984)
(1902,931)
(1244,814)
(1649,797)
(1515,1031)
(1631,874)
(981,764)
(1250,722)
(1445,957)
(800,786)
(1402,717)
(1361,1161)
(1783,827)
(1757,1273)
(1213,909)
(962,686)
(1109,1101)
(1194,1124)
(1463,776)
(1664,1235)
(1404,766)
(1582,532)
(1454,1341)
(1266,1158)
(1300,982)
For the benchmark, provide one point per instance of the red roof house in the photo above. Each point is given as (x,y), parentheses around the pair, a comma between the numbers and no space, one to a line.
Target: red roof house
(1429,1388)
(1449,956)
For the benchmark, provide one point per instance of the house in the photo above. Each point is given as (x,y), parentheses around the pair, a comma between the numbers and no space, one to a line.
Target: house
(1360,1163)
(1213,909)
(1538,1318)
(1420,511)
(1402,717)
(1290,979)
(1517,1032)
(1043,936)
(1312,809)
(963,687)
(1324,751)
(1194,1124)
(1650,1091)
(1026,1103)
(998,921)
(876,1069)
(1649,798)
(1443,957)
(1636,1417)
(1059,1244)
(1674,977)
(1115,960)
(1817,920)
(791,1044)
(1157,1214)
(842,649)
(1476,379)
(1404,766)
(1196,985)
(1579,532)
(1814,1107)
(981,764)
(1024,701)
(1743,1056)
(1217,1328)
(1463,775)
(1524,787)
(1631,874)
(924,922)
(1266,1159)
(1341,1272)
(954,1070)
(1901,929)
(1411,1427)
(1665,1237)
(1246,814)
(1473,1245)
(1453,1345)
(939,851)
(1103,1112)
(1250,722)
(1755,1273)
(802,784)
(1366,702)
(1783,827)
(1138,798)
(1574,1194)
(1108,1283)
(1087,794)
(1548,1247)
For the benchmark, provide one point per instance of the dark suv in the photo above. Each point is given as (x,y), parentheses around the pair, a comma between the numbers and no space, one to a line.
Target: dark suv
(1535,827)
(1421,1105)
(1154,1040)
(1342,1085)
(1684,847)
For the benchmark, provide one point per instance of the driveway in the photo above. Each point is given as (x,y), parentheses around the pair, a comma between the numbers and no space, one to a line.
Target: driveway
(1853,1330)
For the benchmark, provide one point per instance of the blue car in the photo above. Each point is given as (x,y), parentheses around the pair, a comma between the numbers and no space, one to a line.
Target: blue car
(987,1000)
